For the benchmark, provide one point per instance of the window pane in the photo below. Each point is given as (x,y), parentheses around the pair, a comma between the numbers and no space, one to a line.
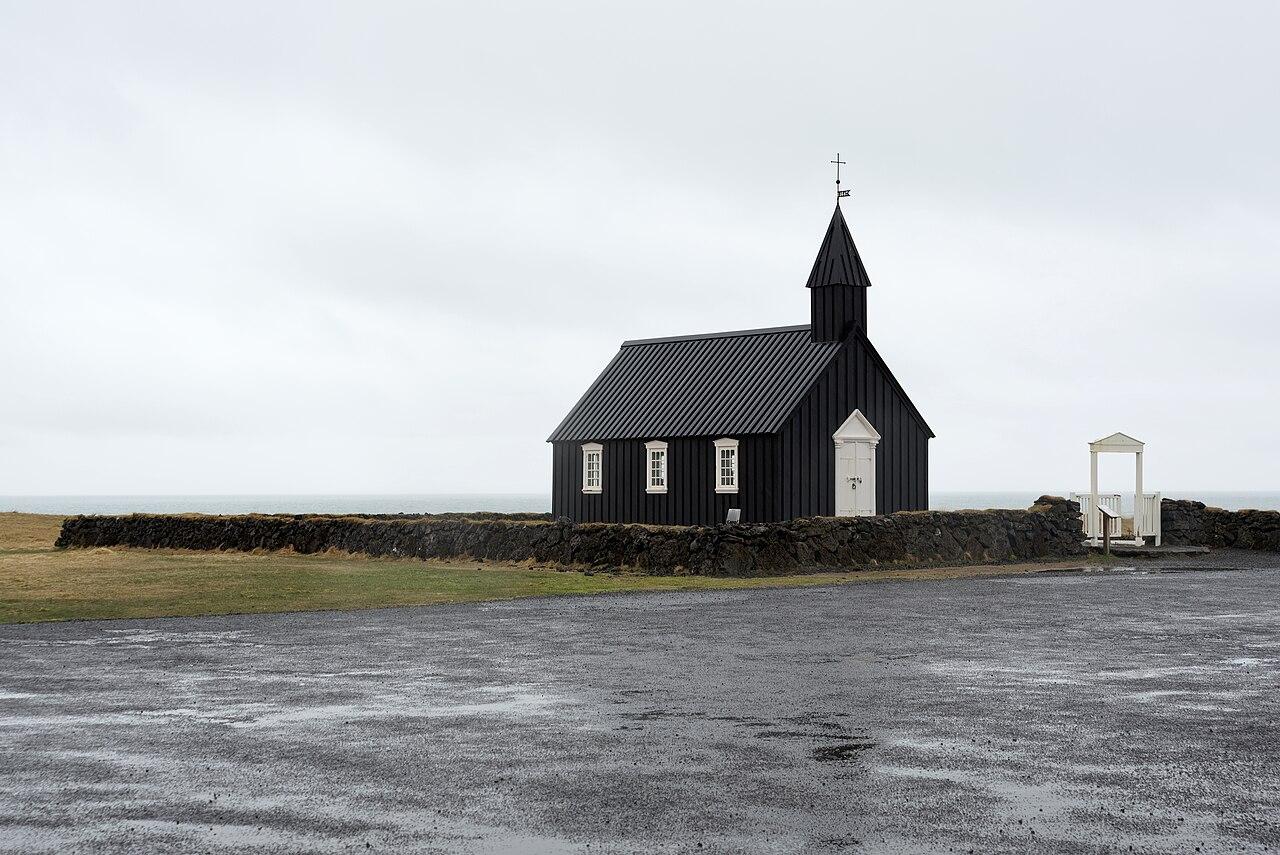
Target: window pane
(728,468)
(591,469)
(657,467)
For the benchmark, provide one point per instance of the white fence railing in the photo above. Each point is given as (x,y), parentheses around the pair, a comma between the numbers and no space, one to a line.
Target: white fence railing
(1147,517)
(1146,521)
(1110,501)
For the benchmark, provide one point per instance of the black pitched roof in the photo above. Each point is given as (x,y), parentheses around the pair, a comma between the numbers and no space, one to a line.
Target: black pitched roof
(728,383)
(838,262)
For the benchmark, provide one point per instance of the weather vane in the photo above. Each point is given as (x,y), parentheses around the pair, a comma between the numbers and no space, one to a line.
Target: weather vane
(840,194)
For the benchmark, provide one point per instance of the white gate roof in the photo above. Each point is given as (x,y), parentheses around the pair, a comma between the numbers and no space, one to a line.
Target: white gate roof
(1120,442)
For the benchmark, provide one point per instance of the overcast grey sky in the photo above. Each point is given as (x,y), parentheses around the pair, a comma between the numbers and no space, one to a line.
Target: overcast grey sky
(376,247)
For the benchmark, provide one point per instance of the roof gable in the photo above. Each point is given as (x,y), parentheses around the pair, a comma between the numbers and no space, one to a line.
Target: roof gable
(883,367)
(856,427)
(733,383)
(1119,442)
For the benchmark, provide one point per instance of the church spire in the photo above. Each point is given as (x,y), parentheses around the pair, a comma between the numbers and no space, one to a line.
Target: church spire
(838,262)
(838,284)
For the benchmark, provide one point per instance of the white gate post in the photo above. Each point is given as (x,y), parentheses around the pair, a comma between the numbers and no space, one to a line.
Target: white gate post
(1137,497)
(1093,494)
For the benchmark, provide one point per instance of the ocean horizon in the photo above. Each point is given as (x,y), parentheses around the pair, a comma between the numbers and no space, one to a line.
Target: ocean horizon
(500,502)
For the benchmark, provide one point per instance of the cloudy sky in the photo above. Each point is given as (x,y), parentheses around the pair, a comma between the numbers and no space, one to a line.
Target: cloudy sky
(376,247)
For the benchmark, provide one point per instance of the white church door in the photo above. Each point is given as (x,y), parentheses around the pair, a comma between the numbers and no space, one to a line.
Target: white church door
(855,479)
(855,472)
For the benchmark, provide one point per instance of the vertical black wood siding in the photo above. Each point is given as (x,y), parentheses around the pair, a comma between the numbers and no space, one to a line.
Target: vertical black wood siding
(853,381)
(836,310)
(691,497)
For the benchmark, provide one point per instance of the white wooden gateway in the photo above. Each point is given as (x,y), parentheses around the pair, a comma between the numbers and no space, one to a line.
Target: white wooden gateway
(1146,506)
(856,443)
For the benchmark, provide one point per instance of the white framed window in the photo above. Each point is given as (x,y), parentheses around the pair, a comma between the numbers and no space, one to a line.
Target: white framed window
(655,466)
(726,465)
(592,467)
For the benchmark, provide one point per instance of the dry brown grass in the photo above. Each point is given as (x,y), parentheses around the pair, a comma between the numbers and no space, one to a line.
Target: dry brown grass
(28,531)
(40,583)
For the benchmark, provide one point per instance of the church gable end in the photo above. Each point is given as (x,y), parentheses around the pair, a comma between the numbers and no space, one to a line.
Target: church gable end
(857,379)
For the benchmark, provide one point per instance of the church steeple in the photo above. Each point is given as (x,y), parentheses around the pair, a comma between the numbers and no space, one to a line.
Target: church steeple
(837,284)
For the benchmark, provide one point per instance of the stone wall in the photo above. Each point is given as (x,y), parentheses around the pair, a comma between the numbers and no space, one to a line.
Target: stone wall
(1184,523)
(1189,523)
(1049,529)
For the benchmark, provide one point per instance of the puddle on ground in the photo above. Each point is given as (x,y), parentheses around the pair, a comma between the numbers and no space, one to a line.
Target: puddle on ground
(1031,673)
(1266,615)
(1048,800)
(1154,673)
(225,834)
(655,714)
(146,639)
(840,752)
(511,701)
(938,745)
(103,755)
(1158,694)
(519,704)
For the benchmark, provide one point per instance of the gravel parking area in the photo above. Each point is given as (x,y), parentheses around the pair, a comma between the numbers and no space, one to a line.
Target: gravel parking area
(1062,712)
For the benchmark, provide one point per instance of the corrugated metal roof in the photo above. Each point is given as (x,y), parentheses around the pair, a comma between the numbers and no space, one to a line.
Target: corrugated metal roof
(728,383)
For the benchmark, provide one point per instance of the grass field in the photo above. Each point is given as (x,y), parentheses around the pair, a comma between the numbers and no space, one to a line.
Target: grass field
(40,583)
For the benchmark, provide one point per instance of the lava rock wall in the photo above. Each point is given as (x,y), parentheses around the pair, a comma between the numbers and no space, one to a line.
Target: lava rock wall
(1049,529)
(1189,523)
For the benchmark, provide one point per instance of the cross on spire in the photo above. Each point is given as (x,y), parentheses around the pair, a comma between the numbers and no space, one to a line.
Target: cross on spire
(839,193)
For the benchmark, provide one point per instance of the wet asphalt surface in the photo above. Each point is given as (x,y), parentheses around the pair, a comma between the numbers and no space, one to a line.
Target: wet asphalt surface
(1056,713)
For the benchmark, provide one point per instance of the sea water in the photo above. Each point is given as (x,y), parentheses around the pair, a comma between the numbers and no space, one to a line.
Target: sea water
(1231,501)
(501,502)
(427,503)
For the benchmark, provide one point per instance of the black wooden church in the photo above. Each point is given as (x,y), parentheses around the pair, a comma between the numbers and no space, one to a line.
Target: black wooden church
(778,423)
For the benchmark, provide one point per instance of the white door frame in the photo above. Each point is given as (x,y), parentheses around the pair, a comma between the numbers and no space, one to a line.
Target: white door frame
(856,429)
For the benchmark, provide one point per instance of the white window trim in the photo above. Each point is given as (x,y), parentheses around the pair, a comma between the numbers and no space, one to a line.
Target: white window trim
(649,449)
(727,443)
(589,448)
